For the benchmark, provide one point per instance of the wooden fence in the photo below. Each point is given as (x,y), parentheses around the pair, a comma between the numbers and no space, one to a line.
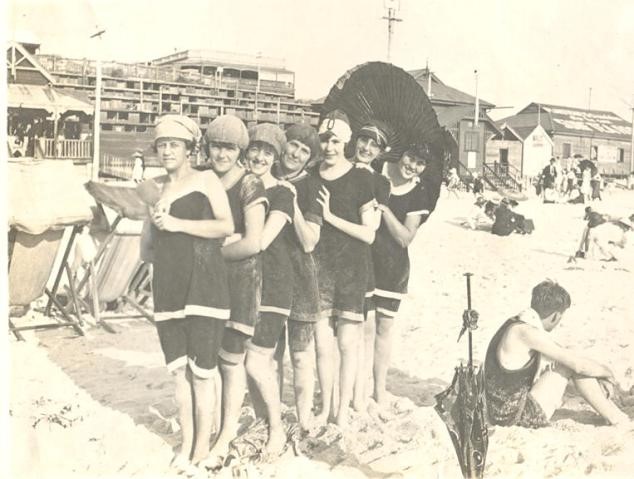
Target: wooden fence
(75,149)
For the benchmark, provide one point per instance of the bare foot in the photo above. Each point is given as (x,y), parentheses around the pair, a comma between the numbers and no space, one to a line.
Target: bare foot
(321,419)
(342,418)
(180,463)
(216,457)
(360,405)
(277,441)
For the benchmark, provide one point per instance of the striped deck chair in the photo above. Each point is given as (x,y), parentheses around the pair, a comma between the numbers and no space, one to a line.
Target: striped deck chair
(45,198)
(117,273)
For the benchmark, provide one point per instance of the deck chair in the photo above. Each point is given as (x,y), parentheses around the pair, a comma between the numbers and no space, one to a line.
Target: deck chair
(117,274)
(45,198)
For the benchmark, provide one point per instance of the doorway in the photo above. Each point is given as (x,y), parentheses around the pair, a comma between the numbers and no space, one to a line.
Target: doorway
(504,160)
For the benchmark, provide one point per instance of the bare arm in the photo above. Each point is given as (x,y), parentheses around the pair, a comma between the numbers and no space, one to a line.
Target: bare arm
(307,232)
(403,233)
(250,244)
(272,228)
(219,227)
(363,232)
(540,341)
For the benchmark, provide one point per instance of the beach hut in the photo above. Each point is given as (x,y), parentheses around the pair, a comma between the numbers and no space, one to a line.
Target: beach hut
(523,151)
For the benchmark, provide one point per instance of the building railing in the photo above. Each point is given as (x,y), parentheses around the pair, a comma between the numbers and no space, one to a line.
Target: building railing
(74,149)
(85,67)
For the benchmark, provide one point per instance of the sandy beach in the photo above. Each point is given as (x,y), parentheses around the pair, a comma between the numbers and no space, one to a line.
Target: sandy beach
(102,405)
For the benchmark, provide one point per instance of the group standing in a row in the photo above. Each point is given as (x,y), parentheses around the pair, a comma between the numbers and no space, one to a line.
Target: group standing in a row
(277,229)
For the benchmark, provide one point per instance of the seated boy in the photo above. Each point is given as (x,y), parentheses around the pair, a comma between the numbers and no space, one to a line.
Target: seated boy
(516,392)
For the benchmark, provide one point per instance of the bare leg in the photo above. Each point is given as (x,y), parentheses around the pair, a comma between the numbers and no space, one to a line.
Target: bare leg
(233,386)
(549,389)
(583,245)
(348,337)
(184,400)
(304,385)
(205,407)
(261,369)
(324,346)
(382,353)
(365,359)
(278,357)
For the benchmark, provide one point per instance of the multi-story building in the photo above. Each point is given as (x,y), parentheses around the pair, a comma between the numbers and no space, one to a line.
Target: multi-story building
(198,83)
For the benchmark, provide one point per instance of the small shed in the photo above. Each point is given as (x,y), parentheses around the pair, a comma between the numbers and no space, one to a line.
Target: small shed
(523,150)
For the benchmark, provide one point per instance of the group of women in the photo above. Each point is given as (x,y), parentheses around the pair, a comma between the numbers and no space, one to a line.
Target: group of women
(277,231)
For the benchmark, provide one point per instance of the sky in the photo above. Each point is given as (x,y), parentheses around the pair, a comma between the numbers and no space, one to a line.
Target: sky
(546,51)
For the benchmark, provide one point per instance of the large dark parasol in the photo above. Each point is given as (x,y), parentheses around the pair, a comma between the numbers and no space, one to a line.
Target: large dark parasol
(462,408)
(384,92)
(583,164)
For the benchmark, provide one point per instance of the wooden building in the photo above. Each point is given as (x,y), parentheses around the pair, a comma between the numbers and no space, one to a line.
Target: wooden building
(595,134)
(455,110)
(42,120)
(524,151)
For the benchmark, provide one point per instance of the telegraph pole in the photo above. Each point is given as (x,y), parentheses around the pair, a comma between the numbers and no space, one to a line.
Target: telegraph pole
(632,143)
(477,101)
(96,136)
(392,7)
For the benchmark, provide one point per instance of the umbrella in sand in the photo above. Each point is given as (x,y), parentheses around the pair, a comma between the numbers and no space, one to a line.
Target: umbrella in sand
(381,91)
(461,406)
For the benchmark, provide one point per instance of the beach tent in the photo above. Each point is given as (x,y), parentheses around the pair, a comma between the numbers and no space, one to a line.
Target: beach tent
(45,197)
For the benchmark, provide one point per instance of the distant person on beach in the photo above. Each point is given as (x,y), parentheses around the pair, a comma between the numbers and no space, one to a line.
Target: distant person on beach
(549,182)
(302,148)
(526,372)
(138,168)
(191,298)
(482,212)
(586,187)
(607,240)
(595,184)
(453,183)
(478,184)
(593,219)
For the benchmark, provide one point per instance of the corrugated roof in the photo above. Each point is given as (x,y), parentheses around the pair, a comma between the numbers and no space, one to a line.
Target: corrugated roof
(572,121)
(45,98)
(444,93)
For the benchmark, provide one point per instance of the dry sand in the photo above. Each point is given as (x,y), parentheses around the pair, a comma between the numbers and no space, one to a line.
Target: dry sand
(101,406)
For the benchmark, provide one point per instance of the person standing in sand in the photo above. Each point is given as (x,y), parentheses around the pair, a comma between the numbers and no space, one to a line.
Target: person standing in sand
(226,139)
(342,257)
(302,147)
(371,142)
(189,284)
(519,389)
(265,147)
(408,207)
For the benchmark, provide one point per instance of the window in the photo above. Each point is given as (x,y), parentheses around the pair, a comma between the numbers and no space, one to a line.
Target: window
(620,155)
(471,140)
(566,150)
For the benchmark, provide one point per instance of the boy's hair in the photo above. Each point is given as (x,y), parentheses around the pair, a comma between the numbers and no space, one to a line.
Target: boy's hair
(549,297)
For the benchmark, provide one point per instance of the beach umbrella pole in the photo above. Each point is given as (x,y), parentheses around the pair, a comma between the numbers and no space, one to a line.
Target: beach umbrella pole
(468,276)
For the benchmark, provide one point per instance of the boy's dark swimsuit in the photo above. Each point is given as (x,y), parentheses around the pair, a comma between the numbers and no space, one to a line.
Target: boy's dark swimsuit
(508,397)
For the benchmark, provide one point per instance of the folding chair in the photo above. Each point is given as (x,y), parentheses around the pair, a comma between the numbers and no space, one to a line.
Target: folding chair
(44,198)
(116,273)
